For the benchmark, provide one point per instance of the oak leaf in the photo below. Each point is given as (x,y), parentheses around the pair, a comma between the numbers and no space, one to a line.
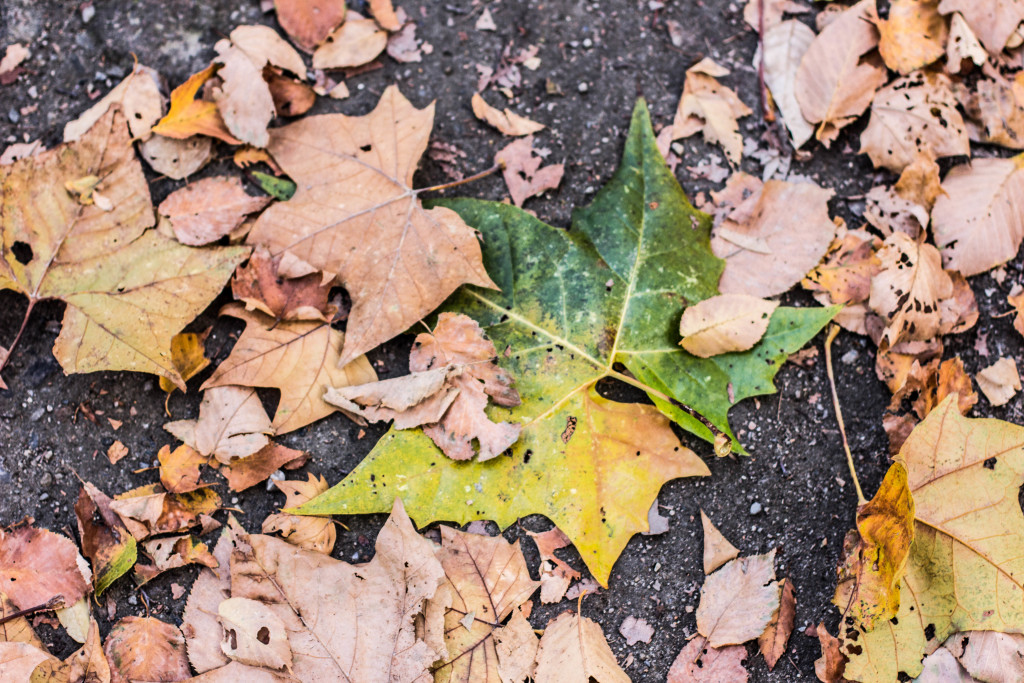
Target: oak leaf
(913,36)
(309,22)
(738,601)
(993,22)
(232,424)
(355,210)
(206,210)
(146,649)
(507,122)
(784,47)
(573,650)
(725,323)
(301,358)
(105,539)
(698,662)
(356,42)
(123,315)
(188,116)
(311,533)
(711,108)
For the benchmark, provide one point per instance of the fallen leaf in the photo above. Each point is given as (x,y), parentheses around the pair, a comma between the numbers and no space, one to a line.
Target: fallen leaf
(232,424)
(138,96)
(432,251)
(769,13)
(121,316)
(89,663)
(738,601)
(188,116)
(358,41)
(301,358)
(309,22)
(507,122)
(206,210)
(698,662)
(516,645)
(784,46)
(845,275)
(15,629)
(176,159)
(404,47)
(261,287)
(171,552)
(290,97)
(146,649)
(149,510)
(989,655)
(832,664)
(116,451)
(772,643)
(188,354)
(179,469)
(993,22)
(20,150)
(76,618)
(574,439)
(886,210)
(785,236)
(838,75)
(1000,381)
(487,580)
(254,634)
(310,533)
(111,549)
(919,182)
(199,620)
(941,667)
(717,549)
(27,662)
(711,108)
(242,96)
(908,289)
(995,110)
(555,573)
(14,55)
(913,36)
(962,46)
(573,650)
(263,45)
(246,472)
(635,630)
(724,324)
(521,167)
(914,114)
(37,565)
(384,12)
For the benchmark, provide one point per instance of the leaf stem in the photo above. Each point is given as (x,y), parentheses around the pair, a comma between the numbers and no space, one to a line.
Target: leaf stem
(833,330)
(56,602)
(17,337)
(477,176)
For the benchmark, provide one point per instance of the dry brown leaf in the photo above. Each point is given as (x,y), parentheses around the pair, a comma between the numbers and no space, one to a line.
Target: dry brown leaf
(263,45)
(717,549)
(232,424)
(786,234)
(913,36)
(171,552)
(989,655)
(979,222)
(146,649)
(176,159)
(844,276)
(404,47)
(149,510)
(1000,381)
(199,621)
(573,650)
(384,12)
(830,666)
(20,150)
(291,97)
(520,166)
(784,46)
(254,634)
(635,630)
(311,533)
(354,180)
(769,12)
(246,472)
(309,22)
(908,289)
(555,573)
(139,97)
(993,21)
(242,96)
(919,182)
(116,451)
(838,77)
(911,115)
(188,116)
(358,41)
(89,663)
(15,629)
(487,580)
(960,311)
(711,108)
(738,601)
(206,210)
(507,122)
(995,110)
(889,212)
(301,358)
(725,323)
(1017,301)
(188,354)
(261,286)
(962,46)
(26,662)
(37,565)
(698,662)
(105,539)
(772,643)
(516,645)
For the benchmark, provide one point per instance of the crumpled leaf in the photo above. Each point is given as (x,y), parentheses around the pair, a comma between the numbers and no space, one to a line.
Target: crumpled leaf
(993,22)
(507,122)
(309,22)
(698,662)
(772,643)
(845,275)
(111,549)
(37,565)
(246,472)
(254,634)
(188,116)
(555,573)
(243,98)
(711,108)
(717,548)
(784,46)
(300,358)
(89,663)
(995,110)
(725,323)
(432,251)
(232,424)
(262,287)
(121,316)
(410,400)
(908,289)
(356,42)
(149,510)
(582,446)
(913,36)
(979,222)
(838,77)
(310,533)
(206,210)
(738,601)
(1000,381)
(146,649)
(521,168)
(139,97)
(573,650)
(171,552)
(487,580)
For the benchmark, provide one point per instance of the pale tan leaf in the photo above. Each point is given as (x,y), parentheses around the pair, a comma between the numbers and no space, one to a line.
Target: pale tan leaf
(358,41)
(717,549)
(989,655)
(711,108)
(254,634)
(311,533)
(89,663)
(411,400)
(236,671)
(738,601)
(37,565)
(507,122)
(909,288)
(919,182)
(993,21)
(384,12)
(139,97)
(309,22)
(941,667)
(771,14)
(521,169)
(698,662)
(199,624)
(635,630)
(555,573)
(838,77)
(263,44)
(176,159)
(232,424)
(18,661)
(1000,381)
(171,552)
(146,649)
(962,45)
(516,645)
(76,617)
(995,110)
(784,46)
(772,643)
(17,629)
(204,211)
(889,212)
(725,323)
(913,36)
(573,650)
(243,97)
(979,222)
(354,177)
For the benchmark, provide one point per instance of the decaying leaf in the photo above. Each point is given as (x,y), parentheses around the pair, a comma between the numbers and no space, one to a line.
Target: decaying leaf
(962,46)
(993,22)
(179,469)
(738,601)
(139,97)
(246,472)
(521,167)
(301,358)
(254,634)
(176,159)
(309,22)
(206,210)
(772,643)
(111,549)
(123,315)
(709,107)
(188,354)
(356,42)
(995,110)
(573,650)
(784,47)
(199,621)
(831,666)
(188,116)
(635,630)
(978,222)
(555,573)
(507,122)
(845,275)
(698,662)
(1000,381)
(232,424)
(261,286)
(913,36)
(150,510)
(410,401)
(908,289)
(37,565)
(989,655)
(263,45)
(717,549)
(311,533)
(171,552)
(352,183)
(89,663)
(146,649)
(838,75)
(725,323)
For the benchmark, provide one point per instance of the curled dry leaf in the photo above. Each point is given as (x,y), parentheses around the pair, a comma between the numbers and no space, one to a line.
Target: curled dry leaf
(358,41)
(188,353)
(171,552)
(246,472)
(1000,381)
(784,46)
(37,565)
(908,289)
(261,286)
(711,108)
(521,167)
(913,36)
(300,358)
(410,401)
(837,78)
(232,424)
(772,643)
(725,323)
(146,649)
(254,634)
(555,573)
(989,655)
(105,539)
(573,650)
(188,116)
(979,222)
(263,45)
(717,549)
(179,469)
(149,510)
(845,275)
(993,22)
(311,533)
(139,97)
(291,97)
(354,181)
(698,662)
(770,13)
(206,210)
(914,114)
(384,12)
(309,22)
(738,601)
(962,46)
(832,664)
(889,212)
(507,122)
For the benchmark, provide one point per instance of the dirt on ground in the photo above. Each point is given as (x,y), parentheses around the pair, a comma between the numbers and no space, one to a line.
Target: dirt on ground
(794,493)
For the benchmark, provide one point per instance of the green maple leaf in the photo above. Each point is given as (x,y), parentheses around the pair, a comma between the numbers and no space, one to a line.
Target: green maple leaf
(572,305)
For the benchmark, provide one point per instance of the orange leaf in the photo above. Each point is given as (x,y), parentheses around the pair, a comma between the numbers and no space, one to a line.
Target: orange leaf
(188,116)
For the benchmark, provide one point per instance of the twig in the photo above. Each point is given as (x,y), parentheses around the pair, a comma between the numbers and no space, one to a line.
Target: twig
(766,110)
(832,332)
(56,602)
(477,176)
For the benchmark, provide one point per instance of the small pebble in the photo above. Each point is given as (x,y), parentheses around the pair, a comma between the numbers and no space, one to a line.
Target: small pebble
(37,414)
(588,43)
(755,508)
(13,116)
(46,480)
(88,11)
(583,87)
(849,357)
